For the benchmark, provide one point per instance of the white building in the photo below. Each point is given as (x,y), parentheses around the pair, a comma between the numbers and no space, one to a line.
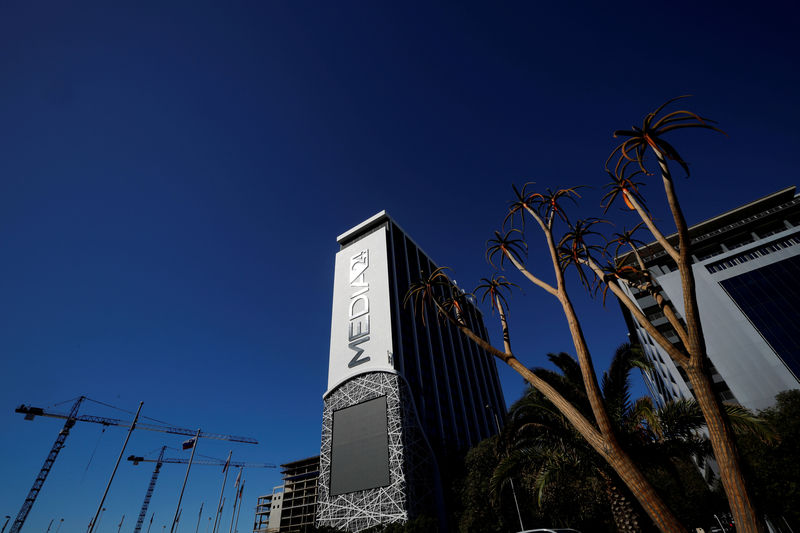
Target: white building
(747,270)
(402,395)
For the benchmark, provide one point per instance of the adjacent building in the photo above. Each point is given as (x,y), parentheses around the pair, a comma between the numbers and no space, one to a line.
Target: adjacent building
(747,271)
(292,506)
(403,391)
(299,498)
(268,513)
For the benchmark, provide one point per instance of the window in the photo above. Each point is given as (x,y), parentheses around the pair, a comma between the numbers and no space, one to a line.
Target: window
(770,298)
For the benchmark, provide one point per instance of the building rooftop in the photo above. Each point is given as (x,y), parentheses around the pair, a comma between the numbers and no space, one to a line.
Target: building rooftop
(725,222)
(356,231)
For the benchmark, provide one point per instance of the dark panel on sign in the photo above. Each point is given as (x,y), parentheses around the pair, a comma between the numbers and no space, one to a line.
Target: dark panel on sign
(360,447)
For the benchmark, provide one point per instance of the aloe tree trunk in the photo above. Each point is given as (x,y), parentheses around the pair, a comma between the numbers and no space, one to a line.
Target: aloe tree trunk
(720,433)
(603,441)
(610,450)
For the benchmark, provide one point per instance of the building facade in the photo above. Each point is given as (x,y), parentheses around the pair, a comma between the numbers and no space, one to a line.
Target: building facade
(299,497)
(268,513)
(292,507)
(404,391)
(747,272)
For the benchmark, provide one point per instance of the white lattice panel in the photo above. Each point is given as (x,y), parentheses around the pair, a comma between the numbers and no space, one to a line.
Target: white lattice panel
(410,490)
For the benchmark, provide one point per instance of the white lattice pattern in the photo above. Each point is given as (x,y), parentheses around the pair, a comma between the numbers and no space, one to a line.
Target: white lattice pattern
(410,491)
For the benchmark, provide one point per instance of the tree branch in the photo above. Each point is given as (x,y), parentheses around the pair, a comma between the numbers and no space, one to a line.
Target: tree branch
(637,313)
(666,308)
(551,245)
(542,284)
(673,253)
(594,437)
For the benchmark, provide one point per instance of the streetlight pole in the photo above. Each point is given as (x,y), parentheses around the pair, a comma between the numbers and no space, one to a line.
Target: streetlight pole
(185,478)
(4,525)
(221,492)
(513,490)
(92,523)
(199,516)
(122,451)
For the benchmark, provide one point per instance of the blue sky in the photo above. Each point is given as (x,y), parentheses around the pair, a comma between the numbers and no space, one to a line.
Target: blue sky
(172,180)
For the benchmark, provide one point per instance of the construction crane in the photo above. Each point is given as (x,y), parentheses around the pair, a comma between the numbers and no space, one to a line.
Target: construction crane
(161,460)
(72,417)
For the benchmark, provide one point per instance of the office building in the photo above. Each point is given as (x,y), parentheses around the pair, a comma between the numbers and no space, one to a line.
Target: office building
(401,395)
(747,271)
(292,506)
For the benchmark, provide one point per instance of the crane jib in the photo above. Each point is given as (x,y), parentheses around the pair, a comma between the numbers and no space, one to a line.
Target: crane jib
(71,418)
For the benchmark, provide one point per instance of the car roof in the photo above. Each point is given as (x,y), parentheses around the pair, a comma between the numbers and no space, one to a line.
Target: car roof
(551,530)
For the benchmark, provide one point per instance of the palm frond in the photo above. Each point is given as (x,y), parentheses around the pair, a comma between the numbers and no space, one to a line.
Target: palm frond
(650,135)
(578,246)
(616,380)
(745,421)
(622,184)
(506,245)
(423,292)
(495,288)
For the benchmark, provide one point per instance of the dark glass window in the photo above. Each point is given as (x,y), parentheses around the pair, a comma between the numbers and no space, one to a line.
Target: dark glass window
(398,283)
(452,367)
(429,400)
(770,298)
(405,275)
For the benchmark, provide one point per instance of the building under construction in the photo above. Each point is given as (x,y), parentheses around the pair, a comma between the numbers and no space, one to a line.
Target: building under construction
(292,506)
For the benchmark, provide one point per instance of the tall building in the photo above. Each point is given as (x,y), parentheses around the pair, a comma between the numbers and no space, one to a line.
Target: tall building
(747,272)
(292,507)
(401,394)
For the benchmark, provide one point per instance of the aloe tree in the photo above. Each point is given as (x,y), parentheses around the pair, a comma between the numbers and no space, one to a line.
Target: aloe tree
(577,248)
(438,291)
(626,162)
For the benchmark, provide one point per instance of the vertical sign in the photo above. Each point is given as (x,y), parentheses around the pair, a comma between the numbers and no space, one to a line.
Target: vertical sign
(361,330)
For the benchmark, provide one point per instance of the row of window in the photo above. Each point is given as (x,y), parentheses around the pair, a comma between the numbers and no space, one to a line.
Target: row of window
(750,255)
(746,220)
(739,223)
(451,378)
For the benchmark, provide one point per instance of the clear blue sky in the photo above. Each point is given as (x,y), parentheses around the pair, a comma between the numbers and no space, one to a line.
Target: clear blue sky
(172,180)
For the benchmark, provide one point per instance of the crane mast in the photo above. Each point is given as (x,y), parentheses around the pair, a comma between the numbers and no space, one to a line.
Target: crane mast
(48,464)
(71,418)
(149,492)
(177,460)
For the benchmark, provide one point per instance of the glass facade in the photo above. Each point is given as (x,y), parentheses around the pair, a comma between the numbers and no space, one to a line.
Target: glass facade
(451,378)
(440,402)
(770,298)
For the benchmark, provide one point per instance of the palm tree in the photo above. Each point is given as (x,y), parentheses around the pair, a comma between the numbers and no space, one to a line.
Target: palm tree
(540,440)
(543,440)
